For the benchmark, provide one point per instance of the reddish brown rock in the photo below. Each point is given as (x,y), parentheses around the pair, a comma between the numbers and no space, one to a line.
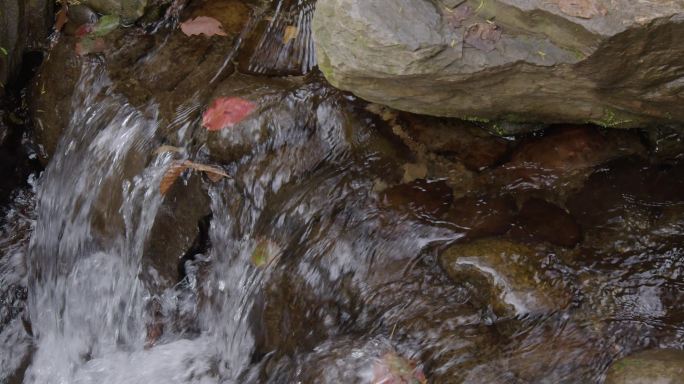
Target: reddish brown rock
(480,216)
(420,197)
(466,142)
(540,220)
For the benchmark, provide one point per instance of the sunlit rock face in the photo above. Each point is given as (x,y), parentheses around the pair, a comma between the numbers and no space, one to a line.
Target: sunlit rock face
(614,63)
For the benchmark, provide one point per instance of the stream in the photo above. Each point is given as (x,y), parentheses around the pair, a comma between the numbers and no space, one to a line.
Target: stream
(348,241)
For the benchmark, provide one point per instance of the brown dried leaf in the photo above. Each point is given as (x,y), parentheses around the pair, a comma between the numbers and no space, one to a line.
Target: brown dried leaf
(214,177)
(170,176)
(168,148)
(585,9)
(203,25)
(483,36)
(215,172)
(290,33)
(61,18)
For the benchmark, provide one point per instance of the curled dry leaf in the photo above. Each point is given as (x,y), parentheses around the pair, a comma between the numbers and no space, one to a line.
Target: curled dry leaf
(203,25)
(483,36)
(178,167)
(170,176)
(225,112)
(168,148)
(61,18)
(585,9)
(214,173)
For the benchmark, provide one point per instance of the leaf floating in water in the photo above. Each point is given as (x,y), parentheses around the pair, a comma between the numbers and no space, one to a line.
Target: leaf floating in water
(214,173)
(290,33)
(225,112)
(483,36)
(178,167)
(105,25)
(585,9)
(170,176)
(91,40)
(264,253)
(203,25)
(168,148)
(394,369)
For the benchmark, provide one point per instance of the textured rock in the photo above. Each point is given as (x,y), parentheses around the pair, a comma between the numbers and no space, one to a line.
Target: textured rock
(129,10)
(23,25)
(614,63)
(51,92)
(648,367)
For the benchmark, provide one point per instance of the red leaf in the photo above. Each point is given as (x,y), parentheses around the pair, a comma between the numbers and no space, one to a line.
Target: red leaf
(84,30)
(225,112)
(203,25)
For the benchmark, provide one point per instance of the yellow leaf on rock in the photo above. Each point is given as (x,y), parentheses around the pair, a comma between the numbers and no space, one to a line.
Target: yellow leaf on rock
(290,33)
(264,253)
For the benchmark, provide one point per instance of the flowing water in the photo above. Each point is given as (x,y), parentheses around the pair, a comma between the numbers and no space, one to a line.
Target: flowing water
(345,236)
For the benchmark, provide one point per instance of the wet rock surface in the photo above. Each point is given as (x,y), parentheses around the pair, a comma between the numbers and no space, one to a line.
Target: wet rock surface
(319,238)
(24,25)
(538,61)
(511,273)
(652,366)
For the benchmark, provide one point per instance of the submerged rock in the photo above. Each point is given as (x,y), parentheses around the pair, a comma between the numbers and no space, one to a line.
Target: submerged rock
(420,197)
(563,156)
(659,366)
(281,42)
(540,220)
(480,216)
(616,64)
(79,15)
(508,274)
(466,142)
(129,10)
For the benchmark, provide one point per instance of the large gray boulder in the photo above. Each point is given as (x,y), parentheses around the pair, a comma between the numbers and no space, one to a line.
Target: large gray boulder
(617,63)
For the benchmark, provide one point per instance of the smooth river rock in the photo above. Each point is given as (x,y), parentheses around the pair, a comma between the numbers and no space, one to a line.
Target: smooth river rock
(615,63)
(658,366)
